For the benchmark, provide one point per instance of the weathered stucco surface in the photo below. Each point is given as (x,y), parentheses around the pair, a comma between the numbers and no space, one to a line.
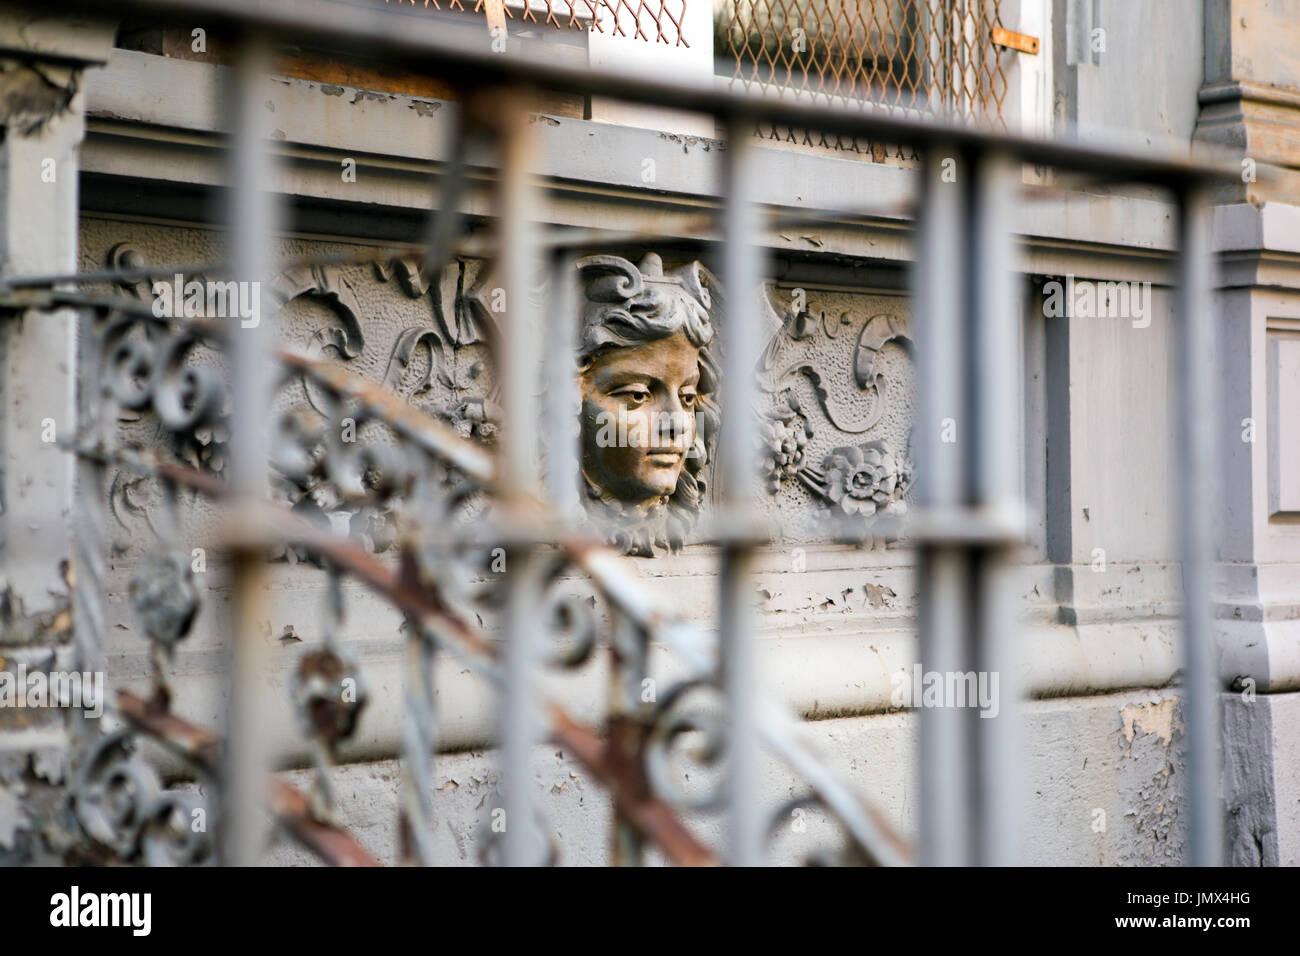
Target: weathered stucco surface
(1101,781)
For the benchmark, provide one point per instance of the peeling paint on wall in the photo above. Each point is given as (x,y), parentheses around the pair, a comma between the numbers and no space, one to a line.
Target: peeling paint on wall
(879,595)
(1151,792)
(1156,717)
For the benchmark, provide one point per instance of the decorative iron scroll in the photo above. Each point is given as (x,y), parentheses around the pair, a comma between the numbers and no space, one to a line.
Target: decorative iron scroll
(418,472)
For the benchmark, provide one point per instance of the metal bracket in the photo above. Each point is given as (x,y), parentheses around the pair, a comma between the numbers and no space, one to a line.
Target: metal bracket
(1012,40)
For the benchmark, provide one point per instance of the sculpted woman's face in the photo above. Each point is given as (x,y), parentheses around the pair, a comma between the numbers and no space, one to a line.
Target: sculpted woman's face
(638,417)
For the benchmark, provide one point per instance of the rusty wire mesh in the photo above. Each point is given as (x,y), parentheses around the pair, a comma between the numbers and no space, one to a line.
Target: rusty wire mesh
(922,57)
(638,20)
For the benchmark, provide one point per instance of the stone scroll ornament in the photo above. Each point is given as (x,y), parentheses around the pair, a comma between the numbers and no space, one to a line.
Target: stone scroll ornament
(860,478)
(649,414)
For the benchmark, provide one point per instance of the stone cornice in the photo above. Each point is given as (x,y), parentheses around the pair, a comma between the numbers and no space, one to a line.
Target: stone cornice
(1246,90)
(154,123)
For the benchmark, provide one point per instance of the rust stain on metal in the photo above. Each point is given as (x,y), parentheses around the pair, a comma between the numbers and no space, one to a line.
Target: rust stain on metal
(609,760)
(624,777)
(202,748)
(1015,41)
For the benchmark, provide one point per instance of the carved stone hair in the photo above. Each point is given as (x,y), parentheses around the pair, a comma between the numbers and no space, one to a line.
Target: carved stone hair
(626,305)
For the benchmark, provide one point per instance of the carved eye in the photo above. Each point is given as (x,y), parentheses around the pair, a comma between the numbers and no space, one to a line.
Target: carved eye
(689,399)
(635,396)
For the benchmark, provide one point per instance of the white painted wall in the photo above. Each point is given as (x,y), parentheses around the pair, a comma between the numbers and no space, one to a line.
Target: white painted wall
(652,59)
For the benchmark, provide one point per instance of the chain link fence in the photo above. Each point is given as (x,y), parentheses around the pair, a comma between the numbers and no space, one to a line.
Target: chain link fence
(911,57)
(654,21)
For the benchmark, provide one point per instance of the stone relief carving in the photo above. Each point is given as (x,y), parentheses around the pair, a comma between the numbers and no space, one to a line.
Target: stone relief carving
(464,325)
(324,283)
(851,480)
(648,379)
(835,380)
(862,479)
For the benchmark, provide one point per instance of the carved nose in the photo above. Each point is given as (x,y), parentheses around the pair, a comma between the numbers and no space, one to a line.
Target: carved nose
(672,425)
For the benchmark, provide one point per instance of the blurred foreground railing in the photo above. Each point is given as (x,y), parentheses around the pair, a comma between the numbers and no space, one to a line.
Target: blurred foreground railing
(969,519)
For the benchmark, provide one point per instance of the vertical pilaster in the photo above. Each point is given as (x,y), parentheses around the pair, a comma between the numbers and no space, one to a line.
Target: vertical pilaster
(42,61)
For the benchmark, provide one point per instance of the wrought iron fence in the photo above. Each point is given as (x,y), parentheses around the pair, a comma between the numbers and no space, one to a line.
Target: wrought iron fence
(207,385)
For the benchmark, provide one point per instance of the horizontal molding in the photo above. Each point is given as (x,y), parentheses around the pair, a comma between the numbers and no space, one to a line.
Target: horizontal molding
(155,119)
(828,649)
(1269,227)
(1257,620)
(819,677)
(1246,90)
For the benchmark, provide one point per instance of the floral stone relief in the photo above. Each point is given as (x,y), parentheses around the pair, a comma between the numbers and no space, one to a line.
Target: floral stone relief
(839,380)
(836,381)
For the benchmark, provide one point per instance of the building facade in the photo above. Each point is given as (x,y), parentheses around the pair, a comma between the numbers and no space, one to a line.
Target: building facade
(116,157)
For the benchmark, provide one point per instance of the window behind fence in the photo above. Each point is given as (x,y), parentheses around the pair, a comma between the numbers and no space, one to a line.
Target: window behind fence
(917,57)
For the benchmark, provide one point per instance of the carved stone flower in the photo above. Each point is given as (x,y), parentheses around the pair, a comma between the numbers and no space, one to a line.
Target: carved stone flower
(861,480)
(782,440)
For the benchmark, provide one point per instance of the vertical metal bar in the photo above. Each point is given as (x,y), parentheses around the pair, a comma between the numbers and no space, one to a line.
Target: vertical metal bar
(627,668)
(419,738)
(563,401)
(89,530)
(737,469)
(89,525)
(519,382)
(995,369)
(941,437)
(420,723)
(254,219)
(1194,340)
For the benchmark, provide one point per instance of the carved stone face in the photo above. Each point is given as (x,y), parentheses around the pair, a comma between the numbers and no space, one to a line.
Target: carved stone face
(638,417)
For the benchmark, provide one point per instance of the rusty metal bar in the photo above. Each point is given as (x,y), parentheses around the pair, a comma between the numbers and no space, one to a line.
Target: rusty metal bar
(419,734)
(518,358)
(1012,40)
(652,819)
(290,806)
